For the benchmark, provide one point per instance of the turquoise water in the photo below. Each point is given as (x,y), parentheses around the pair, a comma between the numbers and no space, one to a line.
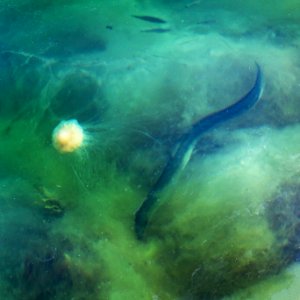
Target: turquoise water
(226,226)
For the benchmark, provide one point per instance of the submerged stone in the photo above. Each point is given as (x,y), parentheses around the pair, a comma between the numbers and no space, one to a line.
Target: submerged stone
(22,80)
(283,213)
(78,96)
(64,44)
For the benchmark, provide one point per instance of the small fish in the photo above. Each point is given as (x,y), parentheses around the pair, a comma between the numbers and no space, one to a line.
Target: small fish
(193,3)
(156,30)
(150,19)
(207,22)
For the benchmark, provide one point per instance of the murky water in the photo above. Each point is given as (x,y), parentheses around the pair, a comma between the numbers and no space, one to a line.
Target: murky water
(97,98)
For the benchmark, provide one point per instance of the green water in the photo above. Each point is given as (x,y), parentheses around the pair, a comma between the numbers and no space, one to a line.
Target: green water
(227,227)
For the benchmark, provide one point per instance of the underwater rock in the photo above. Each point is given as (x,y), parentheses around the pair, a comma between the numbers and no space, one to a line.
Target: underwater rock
(229,220)
(20,228)
(207,272)
(283,213)
(22,79)
(78,96)
(64,44)
(58,272)
(36,262)
(49,204)
(52,207)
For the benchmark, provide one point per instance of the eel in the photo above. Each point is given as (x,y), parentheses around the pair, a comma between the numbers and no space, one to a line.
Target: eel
(185,148)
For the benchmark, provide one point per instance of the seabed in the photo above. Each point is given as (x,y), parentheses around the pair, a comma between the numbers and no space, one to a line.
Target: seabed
(227,227)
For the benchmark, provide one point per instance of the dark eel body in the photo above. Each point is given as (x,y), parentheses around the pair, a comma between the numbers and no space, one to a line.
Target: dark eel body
(186,146)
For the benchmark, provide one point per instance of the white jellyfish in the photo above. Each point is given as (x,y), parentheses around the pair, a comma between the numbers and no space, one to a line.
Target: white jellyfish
(68,136)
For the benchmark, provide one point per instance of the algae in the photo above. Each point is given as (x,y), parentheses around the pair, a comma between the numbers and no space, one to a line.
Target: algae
(228,226)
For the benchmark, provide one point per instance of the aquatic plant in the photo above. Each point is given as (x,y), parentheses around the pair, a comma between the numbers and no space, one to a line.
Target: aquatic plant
(230,222)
